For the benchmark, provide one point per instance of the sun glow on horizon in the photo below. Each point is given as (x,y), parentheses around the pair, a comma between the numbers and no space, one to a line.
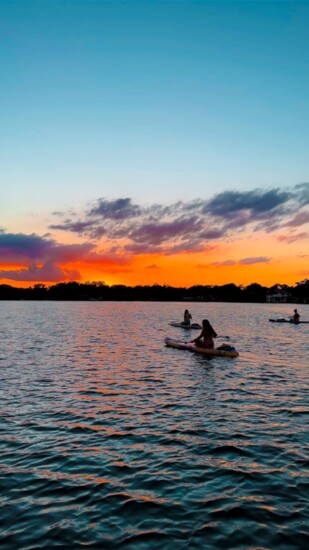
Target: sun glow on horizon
(175,155)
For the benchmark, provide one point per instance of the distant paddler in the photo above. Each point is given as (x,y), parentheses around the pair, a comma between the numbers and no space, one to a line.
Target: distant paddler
(296,317)
(186,318)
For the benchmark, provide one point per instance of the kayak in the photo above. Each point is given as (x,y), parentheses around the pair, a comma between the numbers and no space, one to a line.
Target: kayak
(288,321)
(210,352)
(181,325)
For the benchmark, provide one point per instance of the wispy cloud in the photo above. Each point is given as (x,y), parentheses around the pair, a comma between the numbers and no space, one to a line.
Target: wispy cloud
(294,237)
(115,231)
(225,214)
(299,219)
(76,227)
(257,260)
(244,261)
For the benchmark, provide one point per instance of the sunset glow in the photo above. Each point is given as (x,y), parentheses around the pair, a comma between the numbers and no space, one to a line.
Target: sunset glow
(154,142)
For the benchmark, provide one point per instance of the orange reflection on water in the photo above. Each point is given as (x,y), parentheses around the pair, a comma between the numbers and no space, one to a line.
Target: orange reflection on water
(82,426)
(61,475)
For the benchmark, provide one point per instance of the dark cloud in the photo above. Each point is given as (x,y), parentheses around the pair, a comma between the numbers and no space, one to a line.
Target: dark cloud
(302,193)
(211,234)
(171,225)
(16,246)
(76,227)
(257,202)
(157,233)
(20,247)
(119,209)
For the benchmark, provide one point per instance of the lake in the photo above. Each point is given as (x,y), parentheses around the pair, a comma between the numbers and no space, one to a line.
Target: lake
(111,440)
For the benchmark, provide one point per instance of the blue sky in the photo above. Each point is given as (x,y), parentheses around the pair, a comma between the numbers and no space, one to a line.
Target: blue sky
(153,101)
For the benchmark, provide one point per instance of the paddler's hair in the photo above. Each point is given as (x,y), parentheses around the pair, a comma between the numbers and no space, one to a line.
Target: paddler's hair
(207,325)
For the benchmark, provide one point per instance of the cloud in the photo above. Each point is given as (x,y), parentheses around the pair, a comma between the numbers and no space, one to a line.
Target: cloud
(43,259)
(243,261)
(293,238)
(225,263)
(136,248)
(75,227)
(257,260)
(257,202)
(300,219)
(157,233)
(302,193)
(20,247)
(49,272)
(128,229)
(170,226)
(212,234)
(119,209)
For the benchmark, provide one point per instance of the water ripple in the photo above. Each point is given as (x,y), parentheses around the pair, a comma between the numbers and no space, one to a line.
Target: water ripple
(137,446)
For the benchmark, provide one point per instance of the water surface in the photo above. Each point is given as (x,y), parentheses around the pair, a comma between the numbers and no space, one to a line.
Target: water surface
(111,440)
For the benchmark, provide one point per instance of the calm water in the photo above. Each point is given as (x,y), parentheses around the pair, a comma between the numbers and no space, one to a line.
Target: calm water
(111,440)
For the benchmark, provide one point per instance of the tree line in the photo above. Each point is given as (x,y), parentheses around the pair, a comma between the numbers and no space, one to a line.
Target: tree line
(98,290)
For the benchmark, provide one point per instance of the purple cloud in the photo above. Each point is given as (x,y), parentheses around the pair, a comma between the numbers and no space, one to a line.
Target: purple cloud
(157,233)
(225,263)
(49,272)
(300,219)
(294,237)
(76,227)
(136,248)
(21,247)
(119,209)
(138,229)
(257,260)
(33,250)
(243,261)
(16,246)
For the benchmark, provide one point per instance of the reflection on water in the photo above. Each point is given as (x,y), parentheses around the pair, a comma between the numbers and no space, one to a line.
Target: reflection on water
(111,440)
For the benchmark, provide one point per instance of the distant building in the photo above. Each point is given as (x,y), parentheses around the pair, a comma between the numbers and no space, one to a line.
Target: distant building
(277,297)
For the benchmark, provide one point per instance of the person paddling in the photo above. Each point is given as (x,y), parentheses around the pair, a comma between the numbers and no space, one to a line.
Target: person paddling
(296,316)
(205,339)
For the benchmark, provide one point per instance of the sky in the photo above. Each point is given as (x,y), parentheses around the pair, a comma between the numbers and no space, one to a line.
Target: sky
(154,142)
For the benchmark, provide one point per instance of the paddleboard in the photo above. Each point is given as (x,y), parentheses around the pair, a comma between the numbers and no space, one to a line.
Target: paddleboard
(180,325)
(289,321)
(210,352)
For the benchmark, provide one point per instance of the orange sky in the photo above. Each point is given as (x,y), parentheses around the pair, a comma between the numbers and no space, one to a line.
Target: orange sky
(173,249)
(138,153)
